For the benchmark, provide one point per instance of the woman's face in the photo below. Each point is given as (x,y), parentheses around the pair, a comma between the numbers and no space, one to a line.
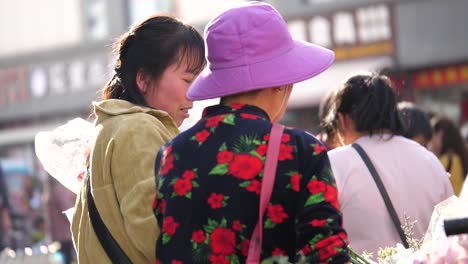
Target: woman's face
(168,93)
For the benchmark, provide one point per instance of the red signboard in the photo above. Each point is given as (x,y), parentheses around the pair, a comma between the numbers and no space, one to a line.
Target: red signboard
(439,77)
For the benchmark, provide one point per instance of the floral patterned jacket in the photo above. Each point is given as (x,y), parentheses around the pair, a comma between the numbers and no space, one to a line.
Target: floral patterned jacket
(209,180)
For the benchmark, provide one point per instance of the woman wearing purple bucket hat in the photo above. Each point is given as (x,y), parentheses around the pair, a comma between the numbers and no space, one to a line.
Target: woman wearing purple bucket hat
(237,187)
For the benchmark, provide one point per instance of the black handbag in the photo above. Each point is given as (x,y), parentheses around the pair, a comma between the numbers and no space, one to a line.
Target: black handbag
(111,247)
(383,192)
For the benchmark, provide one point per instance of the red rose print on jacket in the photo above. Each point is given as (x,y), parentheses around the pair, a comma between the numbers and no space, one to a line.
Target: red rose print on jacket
(155,202)
(217,201)
(188,175)
(318,222)
(249,116)
(278,252)
(168,164)
(182,187)
(295,182)
(214,121)
(306,250)
(223,241)
(219,259)
(318,149)
(162,206)
(198,236)
(237,226)
(224,156)
(236,106)
(202,136)
(245,166)
(169,228)
(254,186)
(286,152)
(329,246)
(245,247)
(285,138)
(331,196)
(262,149)
(316,186)
(276,215)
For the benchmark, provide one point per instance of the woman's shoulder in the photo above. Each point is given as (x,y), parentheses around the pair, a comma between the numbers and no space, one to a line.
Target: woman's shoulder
(340,151)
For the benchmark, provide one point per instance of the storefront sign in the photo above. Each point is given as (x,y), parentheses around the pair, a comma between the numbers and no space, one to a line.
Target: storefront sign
(440,77)
(358,33)
(26,83)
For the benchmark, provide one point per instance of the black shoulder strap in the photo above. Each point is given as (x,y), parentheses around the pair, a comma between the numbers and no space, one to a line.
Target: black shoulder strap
(383,192)
(111,247)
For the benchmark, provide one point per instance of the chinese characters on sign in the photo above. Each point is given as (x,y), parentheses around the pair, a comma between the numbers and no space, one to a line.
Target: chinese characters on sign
(24,83)
(440,76)
(362,32)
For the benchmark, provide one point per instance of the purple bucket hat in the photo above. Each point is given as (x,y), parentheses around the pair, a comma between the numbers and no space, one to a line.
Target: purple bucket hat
(248,48)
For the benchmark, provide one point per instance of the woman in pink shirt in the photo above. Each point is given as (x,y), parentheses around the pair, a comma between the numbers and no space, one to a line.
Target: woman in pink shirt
(365,113)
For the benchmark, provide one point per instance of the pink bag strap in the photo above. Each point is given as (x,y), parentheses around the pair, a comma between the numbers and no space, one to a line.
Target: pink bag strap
(255,248)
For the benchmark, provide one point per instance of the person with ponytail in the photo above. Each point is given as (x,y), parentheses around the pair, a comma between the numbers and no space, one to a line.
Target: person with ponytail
(366,116)
(143,105)
(447,143)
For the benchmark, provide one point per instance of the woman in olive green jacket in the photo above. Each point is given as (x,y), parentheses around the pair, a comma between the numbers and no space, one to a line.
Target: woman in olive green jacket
(143,105)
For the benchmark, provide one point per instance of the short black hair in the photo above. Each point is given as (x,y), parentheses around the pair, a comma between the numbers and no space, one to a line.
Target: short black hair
(415,121)
(371,102)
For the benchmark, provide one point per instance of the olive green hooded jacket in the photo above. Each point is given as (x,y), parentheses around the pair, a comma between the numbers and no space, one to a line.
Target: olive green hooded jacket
(122,159)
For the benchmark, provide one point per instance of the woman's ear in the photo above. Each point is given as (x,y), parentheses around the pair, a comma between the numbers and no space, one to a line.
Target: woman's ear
(286,87)
(279,88)
(143,80)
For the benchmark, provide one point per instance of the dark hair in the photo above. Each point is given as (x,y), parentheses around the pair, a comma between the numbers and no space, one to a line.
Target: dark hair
(451,140)
(371,103)
(415,121)
(326,109)
(152,46)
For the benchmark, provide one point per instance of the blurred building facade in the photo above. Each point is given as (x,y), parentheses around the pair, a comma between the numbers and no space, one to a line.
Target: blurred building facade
(55,57)
(421,44)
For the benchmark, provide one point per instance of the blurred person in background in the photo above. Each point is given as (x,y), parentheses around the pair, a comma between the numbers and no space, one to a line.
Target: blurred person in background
(211,177)
(327,132)
(143,105)
(366,114)
(416,123)
(5,209)
(27,204)
(448,145)
(60,199)
(38,232)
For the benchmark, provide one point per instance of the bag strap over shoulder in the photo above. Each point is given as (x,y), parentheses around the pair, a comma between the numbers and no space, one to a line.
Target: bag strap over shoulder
(383,192)
(255,248)
(111,247)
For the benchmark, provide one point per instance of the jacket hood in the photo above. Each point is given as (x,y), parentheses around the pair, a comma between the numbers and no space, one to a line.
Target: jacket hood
(114,107)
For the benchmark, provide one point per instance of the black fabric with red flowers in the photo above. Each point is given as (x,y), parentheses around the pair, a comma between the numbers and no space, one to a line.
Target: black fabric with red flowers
(209,180)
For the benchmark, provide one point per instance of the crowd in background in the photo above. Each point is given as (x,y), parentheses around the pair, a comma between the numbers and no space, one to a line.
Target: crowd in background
(416,155)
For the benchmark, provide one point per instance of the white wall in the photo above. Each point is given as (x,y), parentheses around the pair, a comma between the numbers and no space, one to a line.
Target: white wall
(195,11)
(34,25)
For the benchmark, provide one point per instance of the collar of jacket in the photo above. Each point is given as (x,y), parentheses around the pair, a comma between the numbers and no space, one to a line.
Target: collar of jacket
(113,107)
(234,108)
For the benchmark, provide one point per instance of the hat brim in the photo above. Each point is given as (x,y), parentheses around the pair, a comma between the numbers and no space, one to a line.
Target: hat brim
(304,61)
